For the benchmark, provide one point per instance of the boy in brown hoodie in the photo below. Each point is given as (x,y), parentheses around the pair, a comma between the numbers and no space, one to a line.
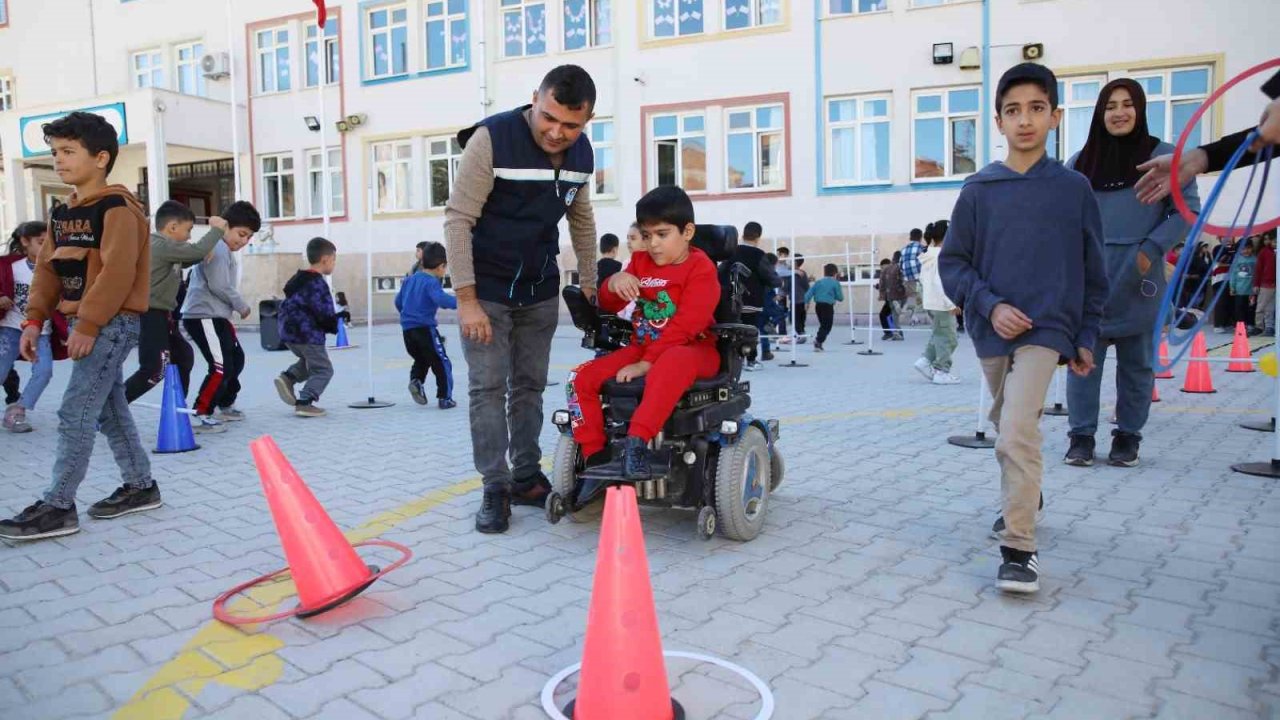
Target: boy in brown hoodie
(96,272)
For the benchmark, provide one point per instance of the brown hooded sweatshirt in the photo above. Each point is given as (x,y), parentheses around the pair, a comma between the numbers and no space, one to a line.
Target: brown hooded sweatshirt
(98,264)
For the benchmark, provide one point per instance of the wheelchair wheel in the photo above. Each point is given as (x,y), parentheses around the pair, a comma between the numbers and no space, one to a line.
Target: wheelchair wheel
(777,468)
(564,471)
(743,485)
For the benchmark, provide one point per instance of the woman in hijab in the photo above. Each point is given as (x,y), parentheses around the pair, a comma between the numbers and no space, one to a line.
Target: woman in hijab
(1136,239)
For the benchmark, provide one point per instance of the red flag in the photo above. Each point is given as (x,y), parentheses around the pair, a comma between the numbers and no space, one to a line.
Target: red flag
(322,13)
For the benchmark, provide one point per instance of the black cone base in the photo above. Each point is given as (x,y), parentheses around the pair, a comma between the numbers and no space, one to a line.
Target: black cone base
(979,441)
(158,451)
(1259,469)
(1058,410)
(792,364)
(869,351)
(371,404)
(1269,426)
(677,712)
(373,570)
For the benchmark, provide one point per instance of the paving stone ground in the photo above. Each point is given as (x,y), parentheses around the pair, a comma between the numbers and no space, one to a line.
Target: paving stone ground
(869,594)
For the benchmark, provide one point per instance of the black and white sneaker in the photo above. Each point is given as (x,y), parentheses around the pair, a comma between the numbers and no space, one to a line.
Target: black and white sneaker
(1020,571)
(998,528)
(415,391)
(1124,449)
(41,520)
(1080,454)
(126,500)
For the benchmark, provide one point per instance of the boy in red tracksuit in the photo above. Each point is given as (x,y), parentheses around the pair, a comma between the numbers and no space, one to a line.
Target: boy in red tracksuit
(676,291)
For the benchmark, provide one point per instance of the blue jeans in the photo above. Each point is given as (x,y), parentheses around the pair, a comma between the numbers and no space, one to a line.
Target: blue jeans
(1134,380)
(94,399)
(41,371)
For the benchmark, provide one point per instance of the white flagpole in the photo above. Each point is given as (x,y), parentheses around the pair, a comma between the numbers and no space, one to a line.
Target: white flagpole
(235,121)
(322,69)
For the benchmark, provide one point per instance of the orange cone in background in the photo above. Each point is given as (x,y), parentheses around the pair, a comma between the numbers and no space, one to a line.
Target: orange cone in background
(623,674)
(1164,362)
(1198,378)
(1240,352)
(325,568)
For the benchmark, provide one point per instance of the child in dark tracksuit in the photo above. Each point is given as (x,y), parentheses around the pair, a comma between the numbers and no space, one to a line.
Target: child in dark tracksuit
(824,295)
(306,316)
(418,300)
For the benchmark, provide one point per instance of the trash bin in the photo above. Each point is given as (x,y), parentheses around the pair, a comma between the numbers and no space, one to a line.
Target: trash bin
(269,328)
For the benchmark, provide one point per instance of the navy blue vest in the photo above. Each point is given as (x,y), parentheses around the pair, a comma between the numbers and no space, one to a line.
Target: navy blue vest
(516,240)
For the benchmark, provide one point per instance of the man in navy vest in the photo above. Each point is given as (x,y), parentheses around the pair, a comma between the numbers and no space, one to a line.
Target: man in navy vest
(521,172)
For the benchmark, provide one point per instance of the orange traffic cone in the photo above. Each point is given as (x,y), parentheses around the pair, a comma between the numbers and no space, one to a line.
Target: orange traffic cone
(1155,394)
(1198,378)
(1164,362)
(325,567)
(623,673)
(1240,352)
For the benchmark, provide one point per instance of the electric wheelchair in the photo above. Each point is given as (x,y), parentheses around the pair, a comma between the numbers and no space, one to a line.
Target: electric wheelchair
(712,455)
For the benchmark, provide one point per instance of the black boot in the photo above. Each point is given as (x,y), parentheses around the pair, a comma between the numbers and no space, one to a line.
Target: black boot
(495,510)
(531,491)
(635,459)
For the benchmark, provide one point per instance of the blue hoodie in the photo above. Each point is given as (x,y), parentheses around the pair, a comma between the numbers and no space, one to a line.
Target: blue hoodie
(1033,241)
(419,298)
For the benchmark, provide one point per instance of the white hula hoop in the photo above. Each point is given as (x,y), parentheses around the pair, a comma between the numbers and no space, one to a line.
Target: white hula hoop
(766,695)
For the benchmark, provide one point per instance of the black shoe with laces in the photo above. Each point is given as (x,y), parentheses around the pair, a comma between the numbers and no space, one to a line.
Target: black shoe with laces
(1080,454)
(531,491)
(126,500)
(998,529)
(1019,571)
(41,520)
(1124,449)
(495,510)
(635,459)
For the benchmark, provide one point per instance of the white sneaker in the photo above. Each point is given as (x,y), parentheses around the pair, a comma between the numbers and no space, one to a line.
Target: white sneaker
(925,368)
(208,425)
(753,366)
(945,378)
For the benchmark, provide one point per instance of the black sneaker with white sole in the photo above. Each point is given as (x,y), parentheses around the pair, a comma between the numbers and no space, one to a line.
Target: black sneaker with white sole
(41,520)
(1019,571)
(1080,454)
(998,528)
(1124,449)
(126,500)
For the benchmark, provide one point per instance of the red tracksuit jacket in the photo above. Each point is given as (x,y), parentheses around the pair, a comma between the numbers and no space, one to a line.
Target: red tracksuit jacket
(677,303)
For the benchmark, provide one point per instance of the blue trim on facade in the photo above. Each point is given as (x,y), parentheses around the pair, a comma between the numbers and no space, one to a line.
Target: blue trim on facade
(988,106)
(366,81)
(820,139)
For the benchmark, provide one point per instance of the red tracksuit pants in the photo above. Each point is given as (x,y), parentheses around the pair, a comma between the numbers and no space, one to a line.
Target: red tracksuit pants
(671,375)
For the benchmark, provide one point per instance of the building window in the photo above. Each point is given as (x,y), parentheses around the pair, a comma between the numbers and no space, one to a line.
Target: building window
(446,33)
(754,151)
(191,79)
(4,12)
(680,151)
(444,154)
(587,23)
(315,182)
(326,48)
(675,18)
(6,94)
(524,28)
(856,7)
(945,133)
(606,184)
(389,41)
(1172,98)
(1077,97)
(273,60)
(277,186)
(740,14)
(148,69)
(858,140)
(392,169)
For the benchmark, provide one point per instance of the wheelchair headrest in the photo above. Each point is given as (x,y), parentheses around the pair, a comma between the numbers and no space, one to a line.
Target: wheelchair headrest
(717,241)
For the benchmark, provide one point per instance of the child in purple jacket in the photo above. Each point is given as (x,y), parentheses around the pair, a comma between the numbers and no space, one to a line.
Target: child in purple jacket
(306,316)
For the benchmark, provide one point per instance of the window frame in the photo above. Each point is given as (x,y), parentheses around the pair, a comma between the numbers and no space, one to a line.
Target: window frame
(1065,86)
(828,126)
(652,17)
(948,141)
(156,57)
(522,7)
(756,146)
(283,174)
(1168,99)
(7,101)
(329,61)
(596,146)
(680,137)
(392,190)
(337,205)
(197,52)
(370,33)
(273,51)
(592,42)
(448,18)
(453,159)
(755,10)
(854,11)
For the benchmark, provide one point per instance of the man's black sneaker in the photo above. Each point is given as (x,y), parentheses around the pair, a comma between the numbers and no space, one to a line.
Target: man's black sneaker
(495,510)
(41,520)
(1124,449)
(997,529)
(635,459)
(126,500)
(531,491)
(1080,454)
(1020,571)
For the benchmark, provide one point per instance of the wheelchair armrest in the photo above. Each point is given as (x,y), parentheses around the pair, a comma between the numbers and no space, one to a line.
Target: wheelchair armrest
(585,315)
(742,336)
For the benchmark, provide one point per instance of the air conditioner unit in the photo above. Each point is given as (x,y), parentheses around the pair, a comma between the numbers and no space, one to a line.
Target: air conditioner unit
(216,66)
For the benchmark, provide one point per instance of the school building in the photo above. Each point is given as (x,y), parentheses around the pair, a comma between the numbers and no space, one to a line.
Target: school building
(831,122)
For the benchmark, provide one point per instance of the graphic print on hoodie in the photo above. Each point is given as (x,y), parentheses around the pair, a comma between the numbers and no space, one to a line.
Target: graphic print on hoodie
(307,315)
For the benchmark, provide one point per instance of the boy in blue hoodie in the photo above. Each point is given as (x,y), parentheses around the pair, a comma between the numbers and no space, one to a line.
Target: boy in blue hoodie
(306,316)
(1024,259)
(418,300)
